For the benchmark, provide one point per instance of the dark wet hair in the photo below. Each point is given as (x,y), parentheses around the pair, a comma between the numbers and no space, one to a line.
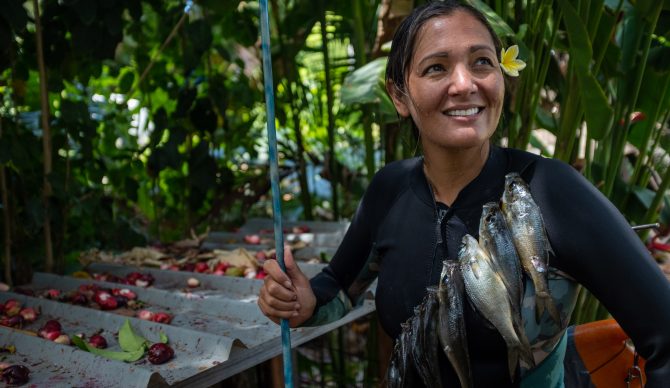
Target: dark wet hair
(404,39)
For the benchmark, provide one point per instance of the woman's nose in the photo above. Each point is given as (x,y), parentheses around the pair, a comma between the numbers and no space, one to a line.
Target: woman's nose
(461,81)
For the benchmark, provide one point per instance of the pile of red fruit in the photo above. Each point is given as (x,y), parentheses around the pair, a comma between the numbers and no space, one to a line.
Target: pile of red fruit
(160,317)
(13,314)
(221,268)
(53,331)
(132,279)
(92,295)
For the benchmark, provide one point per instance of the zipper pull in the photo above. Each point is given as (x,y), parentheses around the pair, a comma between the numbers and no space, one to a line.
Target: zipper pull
(441,213)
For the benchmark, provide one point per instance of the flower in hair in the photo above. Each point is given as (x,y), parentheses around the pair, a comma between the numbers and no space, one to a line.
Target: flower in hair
(509,62)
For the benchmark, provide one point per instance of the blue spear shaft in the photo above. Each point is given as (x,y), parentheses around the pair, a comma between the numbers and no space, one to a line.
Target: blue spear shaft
(274,178)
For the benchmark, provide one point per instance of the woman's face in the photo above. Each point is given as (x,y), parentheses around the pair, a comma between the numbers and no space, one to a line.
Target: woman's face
(454,84)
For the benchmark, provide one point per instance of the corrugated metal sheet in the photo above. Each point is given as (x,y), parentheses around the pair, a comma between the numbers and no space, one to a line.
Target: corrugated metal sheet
(217,329)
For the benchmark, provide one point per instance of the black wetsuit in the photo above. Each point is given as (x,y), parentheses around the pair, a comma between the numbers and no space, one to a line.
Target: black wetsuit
(395,236)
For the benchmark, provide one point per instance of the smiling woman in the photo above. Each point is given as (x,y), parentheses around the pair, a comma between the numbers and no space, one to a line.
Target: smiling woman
(445,75)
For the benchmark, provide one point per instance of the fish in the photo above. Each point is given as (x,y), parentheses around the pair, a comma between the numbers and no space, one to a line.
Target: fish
(451,328)
(524,220)
(426,344)
(496,239)
(486,290)
(401,372)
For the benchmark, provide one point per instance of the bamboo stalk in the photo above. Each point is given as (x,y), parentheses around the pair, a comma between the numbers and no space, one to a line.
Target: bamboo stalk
(7,221)
(46,141)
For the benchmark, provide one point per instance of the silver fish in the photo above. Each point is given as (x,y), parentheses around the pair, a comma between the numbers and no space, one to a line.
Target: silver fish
(487,292)
(451,330)
(496,239)
(401,372)
(525,221)
(425,344)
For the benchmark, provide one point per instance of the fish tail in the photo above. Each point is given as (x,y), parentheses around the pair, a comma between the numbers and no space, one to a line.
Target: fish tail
(524,348)
(513,354)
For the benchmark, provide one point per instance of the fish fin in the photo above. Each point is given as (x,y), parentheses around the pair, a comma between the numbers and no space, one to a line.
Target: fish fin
(553,310)
(539,308)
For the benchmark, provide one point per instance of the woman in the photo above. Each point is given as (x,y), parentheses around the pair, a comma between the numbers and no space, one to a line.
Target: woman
(444,73)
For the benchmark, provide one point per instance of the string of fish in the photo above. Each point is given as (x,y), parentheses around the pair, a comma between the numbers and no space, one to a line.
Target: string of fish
(512,239)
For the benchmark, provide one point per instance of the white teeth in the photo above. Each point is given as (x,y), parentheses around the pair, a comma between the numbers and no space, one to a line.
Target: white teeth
(463,112)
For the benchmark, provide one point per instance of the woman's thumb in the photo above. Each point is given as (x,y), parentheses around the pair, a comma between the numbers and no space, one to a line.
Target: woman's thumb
(292,269)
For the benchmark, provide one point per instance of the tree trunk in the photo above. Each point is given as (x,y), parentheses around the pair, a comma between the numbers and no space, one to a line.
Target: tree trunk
(7,222)
(334,173)
(46,141)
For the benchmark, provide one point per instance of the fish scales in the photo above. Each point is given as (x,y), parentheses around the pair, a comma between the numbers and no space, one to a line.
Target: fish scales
(487,292)
(525,222)
(496,239)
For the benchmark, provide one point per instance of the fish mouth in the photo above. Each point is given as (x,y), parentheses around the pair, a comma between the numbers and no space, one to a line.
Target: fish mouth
(464,112)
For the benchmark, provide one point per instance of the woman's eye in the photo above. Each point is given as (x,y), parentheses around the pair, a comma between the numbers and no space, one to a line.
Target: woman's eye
(433,69)
(484,61)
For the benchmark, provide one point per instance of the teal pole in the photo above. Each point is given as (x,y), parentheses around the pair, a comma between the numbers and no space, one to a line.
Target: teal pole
(274,178)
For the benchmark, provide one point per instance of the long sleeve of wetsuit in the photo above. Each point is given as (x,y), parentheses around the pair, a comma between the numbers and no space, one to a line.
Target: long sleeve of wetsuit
(354,266)
(595,244)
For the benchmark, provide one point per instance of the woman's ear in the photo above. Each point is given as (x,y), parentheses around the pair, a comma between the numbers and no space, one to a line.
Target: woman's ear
(398,98)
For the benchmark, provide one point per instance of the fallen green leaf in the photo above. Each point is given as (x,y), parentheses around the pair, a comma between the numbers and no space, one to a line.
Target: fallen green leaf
(129,340)
(112,355)
(164,338)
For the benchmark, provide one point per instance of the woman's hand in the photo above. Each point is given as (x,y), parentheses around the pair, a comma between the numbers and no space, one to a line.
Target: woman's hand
(286,295)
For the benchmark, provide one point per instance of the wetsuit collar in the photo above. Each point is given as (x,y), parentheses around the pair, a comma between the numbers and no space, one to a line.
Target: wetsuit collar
(488,183)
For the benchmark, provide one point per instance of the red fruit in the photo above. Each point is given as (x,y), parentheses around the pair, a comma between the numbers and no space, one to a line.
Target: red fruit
(160,353)
(261,256)
(105,300)
(79,299)
(222,266)
(218,272)
(261,274)
(201,267)
(89,287)
(12,307)
(52,325)
(188,267)
(97,341)
(126,293)
(29,314)
(15,375)
(50,335)
(144,281)
(145,315)
(121,300)
(253,239)
(15,321)
(132,276)
(162,318)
